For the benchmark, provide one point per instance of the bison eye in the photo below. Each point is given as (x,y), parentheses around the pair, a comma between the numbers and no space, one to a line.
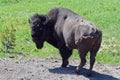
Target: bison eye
(35,23)
(40,29)
(32,27)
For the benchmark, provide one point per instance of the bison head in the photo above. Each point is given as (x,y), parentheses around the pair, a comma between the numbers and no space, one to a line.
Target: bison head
(38,24)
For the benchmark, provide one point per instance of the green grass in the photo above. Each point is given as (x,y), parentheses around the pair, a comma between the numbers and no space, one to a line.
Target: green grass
(104,13)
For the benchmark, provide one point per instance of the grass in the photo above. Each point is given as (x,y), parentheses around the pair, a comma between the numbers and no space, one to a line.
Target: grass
(105,13)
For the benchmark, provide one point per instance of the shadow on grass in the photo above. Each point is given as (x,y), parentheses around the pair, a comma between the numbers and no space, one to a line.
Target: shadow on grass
(70,70)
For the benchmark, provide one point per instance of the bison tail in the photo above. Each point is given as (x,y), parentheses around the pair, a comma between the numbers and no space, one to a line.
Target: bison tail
(97,33)
(98,39)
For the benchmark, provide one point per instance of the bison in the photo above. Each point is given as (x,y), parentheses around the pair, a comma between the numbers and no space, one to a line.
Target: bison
(66,30)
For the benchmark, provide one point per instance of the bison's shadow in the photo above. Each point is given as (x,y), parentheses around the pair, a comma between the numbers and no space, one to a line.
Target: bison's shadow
(70,70)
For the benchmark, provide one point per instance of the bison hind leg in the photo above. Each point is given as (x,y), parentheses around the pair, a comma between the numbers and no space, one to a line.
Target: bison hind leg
(92,61)
(93,53)
(82,55)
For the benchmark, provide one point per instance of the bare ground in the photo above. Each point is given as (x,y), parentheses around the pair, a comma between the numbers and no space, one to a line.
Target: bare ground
(49,69)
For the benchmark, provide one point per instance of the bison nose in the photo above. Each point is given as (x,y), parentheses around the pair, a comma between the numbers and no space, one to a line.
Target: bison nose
(33,35)
(33,40)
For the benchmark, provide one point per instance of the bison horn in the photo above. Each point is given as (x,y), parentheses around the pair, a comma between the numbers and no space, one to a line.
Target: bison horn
(45,19)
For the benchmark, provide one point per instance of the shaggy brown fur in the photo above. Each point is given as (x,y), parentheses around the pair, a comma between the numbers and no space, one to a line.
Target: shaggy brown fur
(66,31)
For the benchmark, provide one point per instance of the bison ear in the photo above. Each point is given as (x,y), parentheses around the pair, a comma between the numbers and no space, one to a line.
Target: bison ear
(29,20)
(44,19)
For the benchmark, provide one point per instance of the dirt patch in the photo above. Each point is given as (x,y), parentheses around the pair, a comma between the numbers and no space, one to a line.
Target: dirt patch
(49,69)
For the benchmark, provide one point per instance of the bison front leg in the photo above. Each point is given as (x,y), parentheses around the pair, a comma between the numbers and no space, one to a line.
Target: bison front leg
(65,54)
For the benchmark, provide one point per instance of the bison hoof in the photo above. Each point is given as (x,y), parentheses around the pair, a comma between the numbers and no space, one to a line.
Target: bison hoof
(89,73)
(77,70)
(65,64)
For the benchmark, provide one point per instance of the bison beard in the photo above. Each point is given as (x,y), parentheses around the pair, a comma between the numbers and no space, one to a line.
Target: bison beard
(66,31)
